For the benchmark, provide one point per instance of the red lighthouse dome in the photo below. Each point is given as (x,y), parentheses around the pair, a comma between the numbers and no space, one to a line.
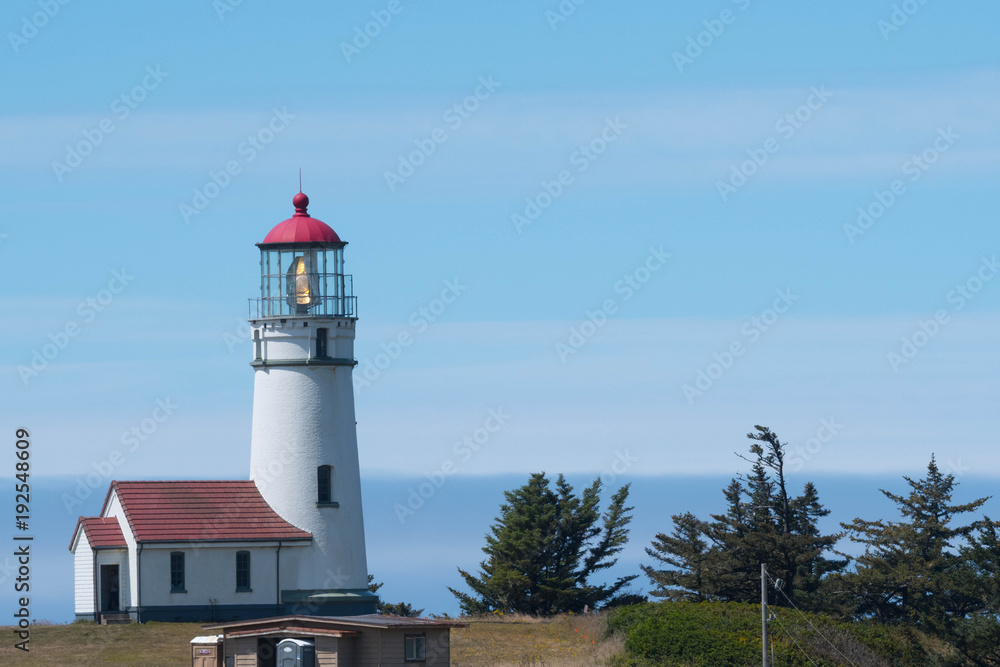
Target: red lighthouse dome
(301,228)
(302,270)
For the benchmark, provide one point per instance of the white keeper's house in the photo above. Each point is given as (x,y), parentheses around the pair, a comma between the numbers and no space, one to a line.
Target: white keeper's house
(291,539)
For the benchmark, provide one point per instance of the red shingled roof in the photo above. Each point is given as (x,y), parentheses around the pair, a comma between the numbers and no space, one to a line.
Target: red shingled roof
(201,511)
(102,532)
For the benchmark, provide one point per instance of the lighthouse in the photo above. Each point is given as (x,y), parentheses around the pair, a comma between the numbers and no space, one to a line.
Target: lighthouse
(304,448)
(291,539)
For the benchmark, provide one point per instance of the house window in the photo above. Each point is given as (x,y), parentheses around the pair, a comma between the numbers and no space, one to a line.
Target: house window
(321,343)
(415,648)
(324,485)
(243,571)
(177,572)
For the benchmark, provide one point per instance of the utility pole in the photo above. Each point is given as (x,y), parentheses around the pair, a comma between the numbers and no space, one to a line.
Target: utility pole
(763,611)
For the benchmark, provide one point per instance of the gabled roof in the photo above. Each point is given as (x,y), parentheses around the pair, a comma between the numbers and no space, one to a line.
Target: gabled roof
(200,511)
(102,532)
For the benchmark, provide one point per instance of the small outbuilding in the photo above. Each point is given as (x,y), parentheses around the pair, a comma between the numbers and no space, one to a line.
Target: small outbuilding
(205,651)
(321,641)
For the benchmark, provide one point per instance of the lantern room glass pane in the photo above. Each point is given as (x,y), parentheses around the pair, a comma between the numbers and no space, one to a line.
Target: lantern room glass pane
(303,282)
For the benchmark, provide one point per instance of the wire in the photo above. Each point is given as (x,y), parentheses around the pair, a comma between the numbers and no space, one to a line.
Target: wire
(815,629)
(791,637)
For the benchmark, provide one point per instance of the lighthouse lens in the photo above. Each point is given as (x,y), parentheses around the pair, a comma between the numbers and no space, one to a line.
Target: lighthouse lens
(303,296)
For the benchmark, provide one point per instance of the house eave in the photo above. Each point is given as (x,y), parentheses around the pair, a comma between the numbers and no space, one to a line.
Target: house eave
(285,542)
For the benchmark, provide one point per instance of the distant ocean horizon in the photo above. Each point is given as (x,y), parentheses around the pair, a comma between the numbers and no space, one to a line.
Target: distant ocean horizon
(415,549)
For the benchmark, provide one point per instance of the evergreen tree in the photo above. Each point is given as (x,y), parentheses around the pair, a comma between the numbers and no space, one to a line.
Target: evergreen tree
(978,634)
(388,608)
(687,551)
(545,546)
(733,552)
(720,559)
(911,572)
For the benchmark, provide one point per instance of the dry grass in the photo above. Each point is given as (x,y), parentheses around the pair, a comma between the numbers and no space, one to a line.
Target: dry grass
(521,641)
(89,644)
(526,641)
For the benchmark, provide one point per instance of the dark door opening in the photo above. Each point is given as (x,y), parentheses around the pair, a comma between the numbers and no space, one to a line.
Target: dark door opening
(267,653)
(110,594)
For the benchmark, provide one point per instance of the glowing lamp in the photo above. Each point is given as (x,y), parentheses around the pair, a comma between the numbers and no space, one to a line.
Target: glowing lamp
(302,270)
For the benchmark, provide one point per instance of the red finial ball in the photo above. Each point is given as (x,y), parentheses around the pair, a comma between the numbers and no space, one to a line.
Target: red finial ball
(300,201)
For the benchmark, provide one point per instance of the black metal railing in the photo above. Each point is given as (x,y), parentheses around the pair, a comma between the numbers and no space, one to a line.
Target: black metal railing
(318,306)
(315,294)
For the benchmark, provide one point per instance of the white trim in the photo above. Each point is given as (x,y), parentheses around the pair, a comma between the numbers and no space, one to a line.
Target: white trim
(187,544)
(76,537)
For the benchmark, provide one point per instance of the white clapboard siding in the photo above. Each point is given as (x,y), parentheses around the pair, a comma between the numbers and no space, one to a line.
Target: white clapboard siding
(83,566)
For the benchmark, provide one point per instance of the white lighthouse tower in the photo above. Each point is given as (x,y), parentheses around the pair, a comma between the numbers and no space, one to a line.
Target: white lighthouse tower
(304,448)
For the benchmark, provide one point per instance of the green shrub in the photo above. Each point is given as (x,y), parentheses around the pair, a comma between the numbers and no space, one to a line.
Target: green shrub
(721,634)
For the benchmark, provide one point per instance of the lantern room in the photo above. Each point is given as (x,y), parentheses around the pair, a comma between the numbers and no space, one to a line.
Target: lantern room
(302,270)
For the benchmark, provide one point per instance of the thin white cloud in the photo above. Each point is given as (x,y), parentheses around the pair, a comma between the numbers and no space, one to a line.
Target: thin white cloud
(624,390)
(622,393)
(678,137)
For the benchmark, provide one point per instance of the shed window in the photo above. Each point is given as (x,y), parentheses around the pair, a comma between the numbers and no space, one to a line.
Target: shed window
(321,343)
(324,484)
(415,647)
(243,570)
(177,572)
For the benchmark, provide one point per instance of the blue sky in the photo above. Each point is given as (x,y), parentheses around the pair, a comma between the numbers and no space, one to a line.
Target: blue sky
(888,324)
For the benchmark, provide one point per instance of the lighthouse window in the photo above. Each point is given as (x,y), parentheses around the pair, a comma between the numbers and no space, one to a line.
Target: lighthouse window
(256,345)
(177,572)
(243,571)
(321,343)
(324,484)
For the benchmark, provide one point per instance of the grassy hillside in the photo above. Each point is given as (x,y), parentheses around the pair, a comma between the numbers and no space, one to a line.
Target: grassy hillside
(525,641)
(688,634)
(521,641)
(84,644)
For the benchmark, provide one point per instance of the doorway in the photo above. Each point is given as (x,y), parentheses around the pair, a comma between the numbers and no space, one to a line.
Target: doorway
(110,593)
(267,653)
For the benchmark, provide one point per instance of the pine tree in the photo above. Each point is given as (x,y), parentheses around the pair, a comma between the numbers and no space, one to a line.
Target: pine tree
(733,553)
(543,549)
(687,551)
(389,608)
(720,559)
(910,572)
(977,635)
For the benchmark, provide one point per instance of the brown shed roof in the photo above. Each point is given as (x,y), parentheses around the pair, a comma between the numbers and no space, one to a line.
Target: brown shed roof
(331,623)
